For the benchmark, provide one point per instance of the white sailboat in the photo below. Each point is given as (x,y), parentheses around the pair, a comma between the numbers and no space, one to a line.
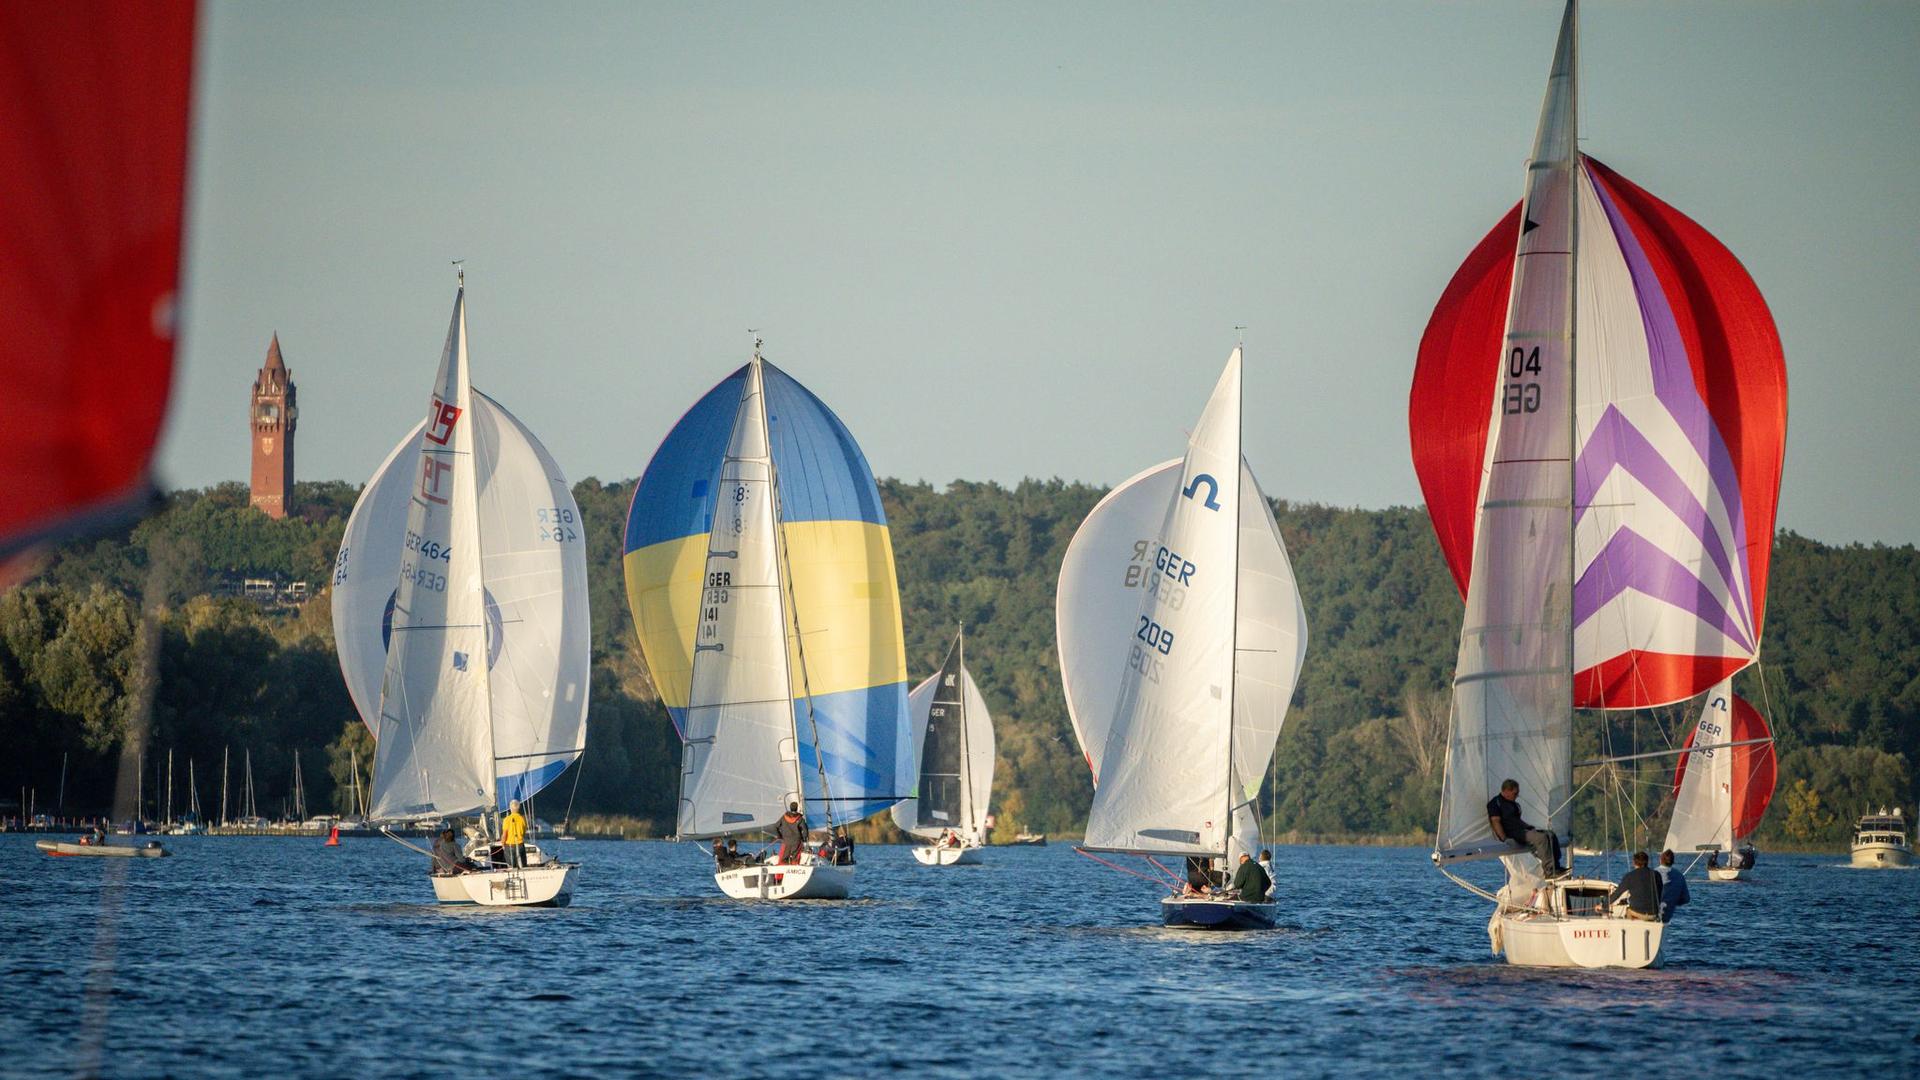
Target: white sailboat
(760,572)
(1181,635)
(953,741)
(460,610)
(1721,792)
(1597,418)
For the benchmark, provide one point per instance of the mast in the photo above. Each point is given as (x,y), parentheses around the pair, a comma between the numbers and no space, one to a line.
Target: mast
(1573,370)
(224,751)
(966,758)
(1233,624)
(790,615)
(169,814)
(467,489)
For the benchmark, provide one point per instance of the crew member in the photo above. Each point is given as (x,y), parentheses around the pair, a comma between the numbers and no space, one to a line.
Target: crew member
(1503,812)
(513,835)
(1641,887)
(791,829)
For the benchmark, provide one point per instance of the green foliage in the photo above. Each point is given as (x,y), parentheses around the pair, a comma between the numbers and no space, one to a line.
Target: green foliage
(1362,751)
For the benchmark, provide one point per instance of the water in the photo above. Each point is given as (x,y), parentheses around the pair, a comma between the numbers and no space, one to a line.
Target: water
(248,957)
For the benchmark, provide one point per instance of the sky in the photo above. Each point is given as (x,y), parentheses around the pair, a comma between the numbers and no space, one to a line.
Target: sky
(1009,240)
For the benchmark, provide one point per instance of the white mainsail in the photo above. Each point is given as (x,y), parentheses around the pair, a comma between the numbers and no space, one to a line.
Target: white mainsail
(1166,785)
(1703,812)
(740,767)
(954,752)
(473,671)
(1513,683)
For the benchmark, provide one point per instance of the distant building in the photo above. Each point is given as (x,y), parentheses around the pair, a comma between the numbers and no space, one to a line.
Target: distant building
(273,414)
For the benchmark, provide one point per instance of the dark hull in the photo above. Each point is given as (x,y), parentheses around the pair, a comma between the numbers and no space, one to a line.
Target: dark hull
(1217,915)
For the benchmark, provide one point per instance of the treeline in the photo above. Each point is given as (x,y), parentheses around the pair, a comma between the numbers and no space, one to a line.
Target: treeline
(1362,751)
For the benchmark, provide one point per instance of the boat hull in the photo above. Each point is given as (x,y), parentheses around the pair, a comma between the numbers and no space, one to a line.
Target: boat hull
(1199,913)
(550,885)
(1728,873)
(934,855)
(807,880)
(1583,941)
(1878,856)
(62,848)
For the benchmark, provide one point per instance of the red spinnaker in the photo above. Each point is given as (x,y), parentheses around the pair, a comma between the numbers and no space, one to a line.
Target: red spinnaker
(1755,770)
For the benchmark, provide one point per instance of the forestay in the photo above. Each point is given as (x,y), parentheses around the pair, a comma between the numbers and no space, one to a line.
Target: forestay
(954,736)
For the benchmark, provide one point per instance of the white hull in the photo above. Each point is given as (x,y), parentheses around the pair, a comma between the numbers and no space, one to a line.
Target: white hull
(806,880)
(934,855)
(124,851)
(1551,938)
(549,885)
(1728,873)
(1877,856)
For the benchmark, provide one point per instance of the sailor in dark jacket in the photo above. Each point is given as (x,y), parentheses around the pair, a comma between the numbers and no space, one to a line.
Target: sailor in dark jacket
(1249,881)
(1641,887)
(792,831)
(1673,886)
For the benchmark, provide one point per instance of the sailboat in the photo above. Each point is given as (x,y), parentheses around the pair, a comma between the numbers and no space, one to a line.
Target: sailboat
(760,573)
(1597,420)
(1720,794)
(952,738)
(1181,635)
(460,608)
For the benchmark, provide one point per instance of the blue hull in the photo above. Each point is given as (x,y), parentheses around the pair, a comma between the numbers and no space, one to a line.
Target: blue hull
(1217,915)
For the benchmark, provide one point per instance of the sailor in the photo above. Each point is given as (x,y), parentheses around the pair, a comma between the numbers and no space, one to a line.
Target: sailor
(1266,867)
(1199,876)
(446,853)
(792,831)
(1641,887)
(1503,812)
(842,846)
(513,835)
(1673,886)
(1249,881)
(734,858)
(721,859)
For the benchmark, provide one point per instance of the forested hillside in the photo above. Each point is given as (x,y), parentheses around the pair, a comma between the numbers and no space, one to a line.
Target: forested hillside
(1362,752)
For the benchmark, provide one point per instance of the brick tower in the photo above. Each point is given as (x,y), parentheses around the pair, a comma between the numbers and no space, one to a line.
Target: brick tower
(273,416)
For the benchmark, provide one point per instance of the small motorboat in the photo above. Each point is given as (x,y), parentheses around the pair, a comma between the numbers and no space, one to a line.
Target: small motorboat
(1031,839)
(150,850)
(1880,840)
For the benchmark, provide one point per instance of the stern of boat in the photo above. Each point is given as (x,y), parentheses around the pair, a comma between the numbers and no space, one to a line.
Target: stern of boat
(805,880)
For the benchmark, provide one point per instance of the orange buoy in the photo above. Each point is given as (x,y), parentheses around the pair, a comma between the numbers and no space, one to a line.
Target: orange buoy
(333,837)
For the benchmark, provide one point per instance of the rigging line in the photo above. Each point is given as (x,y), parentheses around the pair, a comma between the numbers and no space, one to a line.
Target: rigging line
(1665,753)
(1162,868)
(1117,866)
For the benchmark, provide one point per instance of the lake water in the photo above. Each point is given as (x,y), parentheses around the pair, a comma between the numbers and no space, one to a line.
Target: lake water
(252,957)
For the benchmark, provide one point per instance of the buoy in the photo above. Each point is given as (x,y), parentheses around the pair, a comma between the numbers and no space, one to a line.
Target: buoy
(333,837)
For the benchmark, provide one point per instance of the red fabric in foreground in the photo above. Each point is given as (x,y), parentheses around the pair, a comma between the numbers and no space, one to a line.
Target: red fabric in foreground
(1755,771)
(94,101)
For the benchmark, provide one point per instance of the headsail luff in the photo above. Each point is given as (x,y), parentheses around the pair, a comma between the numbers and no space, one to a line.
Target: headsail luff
(435,732)
(1166,785)
(1721,793)
(1513,696)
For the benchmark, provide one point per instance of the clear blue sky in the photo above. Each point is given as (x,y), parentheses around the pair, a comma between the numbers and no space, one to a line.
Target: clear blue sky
(1010,240)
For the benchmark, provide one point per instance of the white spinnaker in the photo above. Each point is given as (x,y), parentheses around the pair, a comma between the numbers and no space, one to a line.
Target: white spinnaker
(1513,682)
(1165,786)
(1106,566)
(367,571)
(535,568)
(980,758)
(1703,812)
(435,753)
(739,768)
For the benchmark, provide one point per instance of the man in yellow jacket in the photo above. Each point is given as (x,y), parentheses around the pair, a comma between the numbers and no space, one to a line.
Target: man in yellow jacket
(513,835)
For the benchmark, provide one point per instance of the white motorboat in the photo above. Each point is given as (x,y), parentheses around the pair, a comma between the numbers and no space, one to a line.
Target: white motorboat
(952,738)
(761,576)
(1880,840)
(1600,446)
(460,611)
(1178,712)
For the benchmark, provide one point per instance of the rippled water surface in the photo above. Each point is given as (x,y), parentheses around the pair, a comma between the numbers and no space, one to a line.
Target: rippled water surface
(250,957)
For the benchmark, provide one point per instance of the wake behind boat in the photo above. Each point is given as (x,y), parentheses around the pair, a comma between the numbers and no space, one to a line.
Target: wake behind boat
(953,742)
(460,607)
(1607,520)
(760,574)
(1181,635)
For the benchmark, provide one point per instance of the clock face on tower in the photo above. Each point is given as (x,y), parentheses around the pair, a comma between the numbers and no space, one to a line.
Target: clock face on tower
(266,444)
